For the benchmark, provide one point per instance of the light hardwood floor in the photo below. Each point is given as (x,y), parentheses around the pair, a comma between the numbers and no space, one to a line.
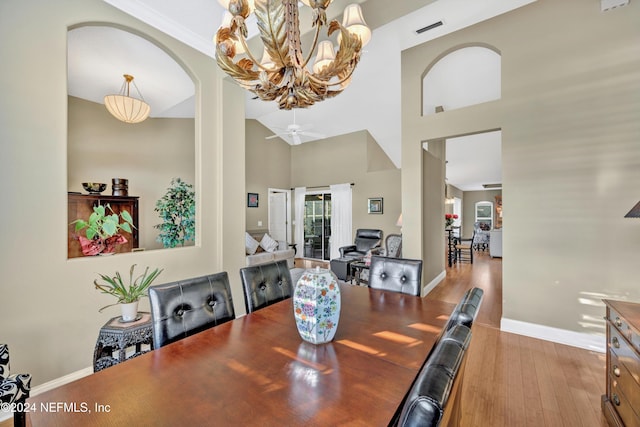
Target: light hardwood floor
(512,380)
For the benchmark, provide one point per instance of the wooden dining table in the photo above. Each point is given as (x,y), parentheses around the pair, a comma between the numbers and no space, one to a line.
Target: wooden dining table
(256,370)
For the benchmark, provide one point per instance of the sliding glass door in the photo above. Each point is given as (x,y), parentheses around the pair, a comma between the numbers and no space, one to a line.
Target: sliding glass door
(317,225)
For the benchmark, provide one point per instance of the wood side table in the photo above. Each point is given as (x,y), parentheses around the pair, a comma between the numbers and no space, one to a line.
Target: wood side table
(119,341)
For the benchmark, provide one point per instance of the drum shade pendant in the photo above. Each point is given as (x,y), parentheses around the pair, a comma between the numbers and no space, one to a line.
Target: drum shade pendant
(126,108)
(284,74)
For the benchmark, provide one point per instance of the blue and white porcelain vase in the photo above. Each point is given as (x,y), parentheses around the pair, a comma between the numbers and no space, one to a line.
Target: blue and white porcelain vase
(316,305)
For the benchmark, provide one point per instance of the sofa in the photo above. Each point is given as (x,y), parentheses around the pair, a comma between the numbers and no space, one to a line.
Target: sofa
(262,249)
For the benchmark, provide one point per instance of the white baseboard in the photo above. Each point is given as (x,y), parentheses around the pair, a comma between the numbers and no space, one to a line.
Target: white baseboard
(431,285)
(561,336)
(51,385)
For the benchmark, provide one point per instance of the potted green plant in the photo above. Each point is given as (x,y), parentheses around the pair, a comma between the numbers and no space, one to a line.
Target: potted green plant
(177,209)
(102,230)
(128,295)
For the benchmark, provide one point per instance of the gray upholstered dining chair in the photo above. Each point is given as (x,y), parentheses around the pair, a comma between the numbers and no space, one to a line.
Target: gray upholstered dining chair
(396,274)
(266,284)
(393,245)
(186,307)
(13,388)
(481,236)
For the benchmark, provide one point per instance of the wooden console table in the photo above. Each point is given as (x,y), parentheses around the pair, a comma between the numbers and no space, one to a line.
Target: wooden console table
(621,403)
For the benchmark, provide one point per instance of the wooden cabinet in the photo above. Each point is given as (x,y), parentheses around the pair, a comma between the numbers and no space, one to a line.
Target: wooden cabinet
(498,213)
(621,403)
(81,206)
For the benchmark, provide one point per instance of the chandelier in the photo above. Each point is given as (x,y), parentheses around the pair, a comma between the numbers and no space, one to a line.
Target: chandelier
(282,73)
(126,108)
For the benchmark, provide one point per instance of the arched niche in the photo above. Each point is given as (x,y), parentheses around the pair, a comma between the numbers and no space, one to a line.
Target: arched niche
(100,147)
(461,77)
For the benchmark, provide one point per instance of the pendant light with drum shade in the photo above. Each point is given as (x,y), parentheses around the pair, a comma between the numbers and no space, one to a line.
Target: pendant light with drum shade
(126,108)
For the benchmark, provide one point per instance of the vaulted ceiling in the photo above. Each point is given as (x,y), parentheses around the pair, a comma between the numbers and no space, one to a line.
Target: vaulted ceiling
(371,102)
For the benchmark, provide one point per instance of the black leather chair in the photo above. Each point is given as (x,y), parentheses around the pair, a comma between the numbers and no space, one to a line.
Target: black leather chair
(186,307)
(467,309)
(427,398)
(13,388)
(396,274)
(266,284)
(366,239)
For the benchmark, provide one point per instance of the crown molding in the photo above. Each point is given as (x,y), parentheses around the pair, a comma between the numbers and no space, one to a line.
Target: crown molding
(152,17)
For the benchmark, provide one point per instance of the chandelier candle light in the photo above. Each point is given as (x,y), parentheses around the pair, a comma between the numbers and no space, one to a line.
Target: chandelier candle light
(126,108)
(282,73)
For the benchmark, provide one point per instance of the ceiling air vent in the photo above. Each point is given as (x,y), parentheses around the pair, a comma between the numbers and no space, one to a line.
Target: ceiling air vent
(612,4)
(490,186)
(429,27)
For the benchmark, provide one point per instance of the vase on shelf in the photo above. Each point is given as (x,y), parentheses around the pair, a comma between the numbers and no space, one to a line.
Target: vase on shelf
(316,305)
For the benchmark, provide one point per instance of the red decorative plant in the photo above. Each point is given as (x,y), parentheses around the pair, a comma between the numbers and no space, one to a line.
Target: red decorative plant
(449,218)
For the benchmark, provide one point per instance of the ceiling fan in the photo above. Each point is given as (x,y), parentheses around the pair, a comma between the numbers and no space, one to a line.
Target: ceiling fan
(295,131)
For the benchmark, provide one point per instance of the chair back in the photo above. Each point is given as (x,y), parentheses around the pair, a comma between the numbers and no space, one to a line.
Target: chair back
(434,397)
(396,274)
(4,361)
(367,239)
(266,284)
(393,245)
(185,307)
(14,389)
(467,309)
(428,398)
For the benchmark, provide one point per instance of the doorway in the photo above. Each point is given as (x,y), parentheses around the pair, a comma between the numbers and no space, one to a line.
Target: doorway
(279,218)
(317,225)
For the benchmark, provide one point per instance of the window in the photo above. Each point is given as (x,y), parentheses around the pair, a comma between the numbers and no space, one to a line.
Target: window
(467,76)
(317,225)
(484,215)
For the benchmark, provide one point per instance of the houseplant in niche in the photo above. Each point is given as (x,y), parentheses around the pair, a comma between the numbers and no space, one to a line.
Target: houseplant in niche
(102,230)
(128,295)
(177,210)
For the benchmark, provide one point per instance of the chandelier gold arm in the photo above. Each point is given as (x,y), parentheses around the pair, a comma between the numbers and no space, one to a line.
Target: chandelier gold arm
(250,55)
(313,46)
(289,82)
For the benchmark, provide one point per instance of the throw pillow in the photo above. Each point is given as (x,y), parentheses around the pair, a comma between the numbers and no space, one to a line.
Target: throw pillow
(268,244)
(250,244)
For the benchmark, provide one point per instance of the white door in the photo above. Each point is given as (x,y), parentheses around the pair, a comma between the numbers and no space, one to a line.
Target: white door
(278,216)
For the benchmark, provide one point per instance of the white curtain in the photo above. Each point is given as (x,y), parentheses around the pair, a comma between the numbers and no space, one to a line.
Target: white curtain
(298,234)
(340,218)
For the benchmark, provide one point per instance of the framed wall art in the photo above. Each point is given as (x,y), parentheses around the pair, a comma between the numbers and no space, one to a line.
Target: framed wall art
(374,205)
(252,200)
